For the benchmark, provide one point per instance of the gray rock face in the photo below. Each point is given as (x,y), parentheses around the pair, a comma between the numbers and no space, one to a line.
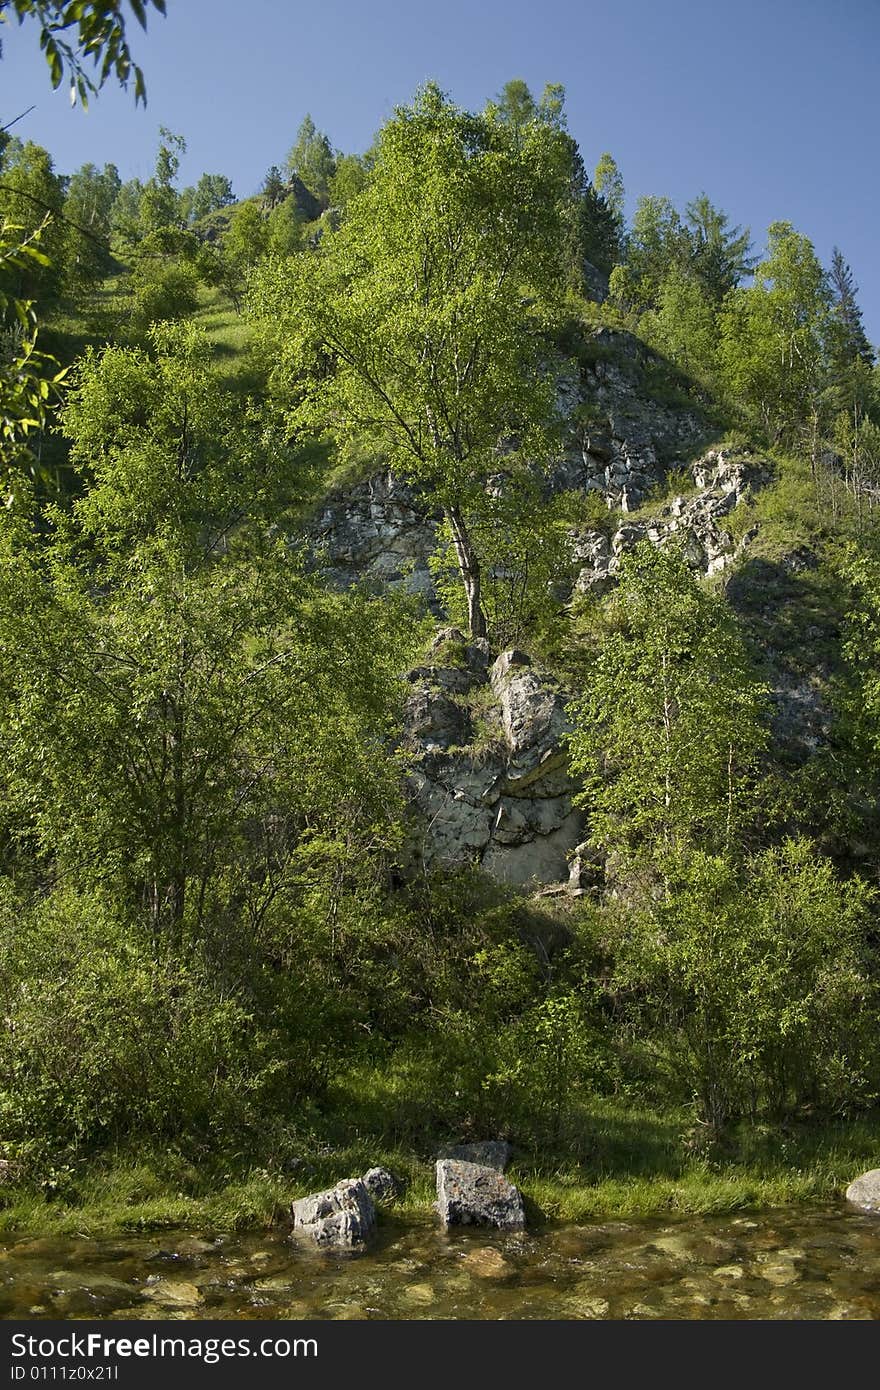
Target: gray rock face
(506,805)
(864,1192)
(695,523)
(472,1194)
(487,776)
(626,449)
(379,531)
(489,1153)
(341,1218)
(382,530)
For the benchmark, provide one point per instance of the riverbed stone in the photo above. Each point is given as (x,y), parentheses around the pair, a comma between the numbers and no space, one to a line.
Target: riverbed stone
(342,1217)
(488,1263)
(864,1192)
(175,1294)
(473,1194)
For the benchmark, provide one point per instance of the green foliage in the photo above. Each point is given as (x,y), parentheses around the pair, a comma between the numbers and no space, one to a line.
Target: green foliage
(668,733)
(416,301)
(100,35)
(162,289)
(211,193)
(755,989)
(608,183)
(284,228)
(349,178)
(160,203)
(861,647)
(720,254)
(31,198)
(528,566)
(101,1039)
(125,217)
(547,1062)
(184,712)
(28,378)
(311,159)
(683,328)
(771,338)
(246,240)
(88,211)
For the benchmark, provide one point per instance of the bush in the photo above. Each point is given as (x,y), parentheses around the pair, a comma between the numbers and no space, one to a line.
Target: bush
(101,1040)
(163,291)
(755,989)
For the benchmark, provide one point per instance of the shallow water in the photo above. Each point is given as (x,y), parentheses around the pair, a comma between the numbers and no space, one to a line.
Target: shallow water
(807,1264)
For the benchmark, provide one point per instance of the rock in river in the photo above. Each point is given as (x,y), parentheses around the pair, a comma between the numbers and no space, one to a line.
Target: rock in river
(865,1191)
(341,1218)
(472,1194)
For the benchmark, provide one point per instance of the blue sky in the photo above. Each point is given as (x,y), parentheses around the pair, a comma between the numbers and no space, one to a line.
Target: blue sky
(769,106)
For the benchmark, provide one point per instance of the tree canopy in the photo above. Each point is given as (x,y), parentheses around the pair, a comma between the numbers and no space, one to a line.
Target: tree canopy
(412,325)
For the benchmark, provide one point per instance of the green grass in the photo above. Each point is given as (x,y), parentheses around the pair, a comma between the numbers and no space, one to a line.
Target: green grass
(634,1162)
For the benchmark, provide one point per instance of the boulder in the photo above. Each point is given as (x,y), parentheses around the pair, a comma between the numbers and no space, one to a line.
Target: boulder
(341,1218)
(473,1194)
(432,719)
(490,1153)
(864,1192)
(380,1183)
(532,715)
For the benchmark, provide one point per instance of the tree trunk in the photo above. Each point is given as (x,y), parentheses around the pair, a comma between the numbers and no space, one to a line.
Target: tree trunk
(469,567)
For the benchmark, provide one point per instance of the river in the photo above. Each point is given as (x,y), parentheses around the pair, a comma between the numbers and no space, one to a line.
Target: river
(804,1263)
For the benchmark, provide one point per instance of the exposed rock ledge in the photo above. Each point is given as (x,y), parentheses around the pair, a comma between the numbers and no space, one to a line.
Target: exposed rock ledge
(498,794)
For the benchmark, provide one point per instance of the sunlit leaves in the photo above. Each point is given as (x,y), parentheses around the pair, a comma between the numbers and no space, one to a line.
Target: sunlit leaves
(29,379)
(100,35)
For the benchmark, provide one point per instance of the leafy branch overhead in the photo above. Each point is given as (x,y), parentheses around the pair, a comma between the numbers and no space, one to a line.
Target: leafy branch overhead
(28,380)
(73,32)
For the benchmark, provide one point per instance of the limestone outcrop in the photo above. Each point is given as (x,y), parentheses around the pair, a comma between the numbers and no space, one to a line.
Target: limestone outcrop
(381,530)
(488,773)
(378,531)
(695,522)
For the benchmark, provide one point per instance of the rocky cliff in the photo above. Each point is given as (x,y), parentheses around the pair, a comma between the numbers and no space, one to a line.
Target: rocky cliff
(484,732)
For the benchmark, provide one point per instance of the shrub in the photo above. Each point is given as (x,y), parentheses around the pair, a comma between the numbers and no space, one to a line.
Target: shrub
(101,1040)
(755,988)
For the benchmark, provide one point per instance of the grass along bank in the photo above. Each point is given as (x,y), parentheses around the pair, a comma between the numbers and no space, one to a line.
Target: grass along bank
(638,1165)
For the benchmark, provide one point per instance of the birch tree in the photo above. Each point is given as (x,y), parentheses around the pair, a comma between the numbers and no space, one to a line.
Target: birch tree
(417,325)
(669,733)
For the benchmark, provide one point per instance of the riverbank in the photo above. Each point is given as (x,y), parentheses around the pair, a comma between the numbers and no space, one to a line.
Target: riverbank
(637,1164)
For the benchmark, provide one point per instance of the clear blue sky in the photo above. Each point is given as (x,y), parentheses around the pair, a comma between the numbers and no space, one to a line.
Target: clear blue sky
(770,106)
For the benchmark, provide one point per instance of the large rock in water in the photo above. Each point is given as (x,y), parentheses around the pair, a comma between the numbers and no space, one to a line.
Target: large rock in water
(865,1191)
(472,1194)
(343,1217)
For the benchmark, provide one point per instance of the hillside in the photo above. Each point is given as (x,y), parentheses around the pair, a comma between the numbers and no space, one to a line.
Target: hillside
(438,629)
